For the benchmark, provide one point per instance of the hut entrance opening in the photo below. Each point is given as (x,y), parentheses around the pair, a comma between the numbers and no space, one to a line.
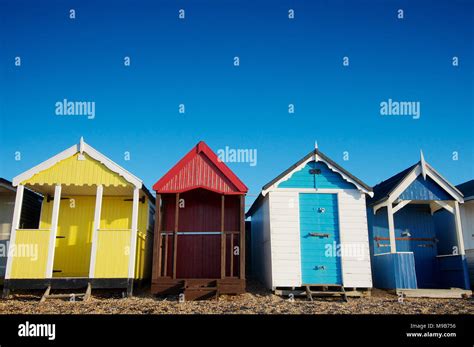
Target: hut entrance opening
(200,235)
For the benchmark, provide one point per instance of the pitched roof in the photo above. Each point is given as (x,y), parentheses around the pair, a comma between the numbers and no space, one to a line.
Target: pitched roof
(384,189)
(315,152)
(81,147)
(6,184)
(325,158)
(467,188)
(200,168)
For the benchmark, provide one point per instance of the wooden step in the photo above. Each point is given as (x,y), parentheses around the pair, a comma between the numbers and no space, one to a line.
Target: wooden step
(191,294)
(325,291)
(200,283)
(71,296)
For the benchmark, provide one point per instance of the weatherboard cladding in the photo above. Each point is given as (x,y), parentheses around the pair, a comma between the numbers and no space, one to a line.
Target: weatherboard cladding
(77,171)
(325,178)
(321,156)
(199,172)
(424,189)
(74,231)
(283,253)
(200,168)
(316,152)
(382,189)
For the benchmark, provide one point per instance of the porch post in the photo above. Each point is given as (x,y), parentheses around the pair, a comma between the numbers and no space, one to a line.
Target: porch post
(156,266)
(54,231)
(175,235)
(223,238)
(457,223)
(134,231)
(95,230)
(15,225)
(391,228)
(242,237)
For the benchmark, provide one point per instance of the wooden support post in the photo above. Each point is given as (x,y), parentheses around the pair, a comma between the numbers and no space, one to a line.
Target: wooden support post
(54,230)
(223,237)
(15,225)
(157,240)
(391,228)
(165,256)
(232,254)
(242,237)
(175,236)
(457,223)
(133,235)
(95,230)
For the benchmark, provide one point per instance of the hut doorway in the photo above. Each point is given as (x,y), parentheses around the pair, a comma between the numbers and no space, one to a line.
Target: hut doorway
(319,234)
(74,236)
(199,238)
(415,232)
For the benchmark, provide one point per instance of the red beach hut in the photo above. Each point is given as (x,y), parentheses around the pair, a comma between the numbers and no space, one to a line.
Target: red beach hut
(199,247)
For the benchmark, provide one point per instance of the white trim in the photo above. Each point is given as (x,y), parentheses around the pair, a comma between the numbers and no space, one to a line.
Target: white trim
(113,166)
(392,253)
(413,175)
(314,190)
(380,205)
(15,226)
(133,237)
(457,223)
(423,165)
(434,207)
(444,184)
(391,229)
(447,255)
(300,167)
(400,205)
(445,205)
(54,230)
(403,185)
(44,165)
(81,147)
(95,231)
(341,241)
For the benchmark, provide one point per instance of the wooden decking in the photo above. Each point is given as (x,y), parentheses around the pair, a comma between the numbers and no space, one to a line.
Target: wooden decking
(197,289)
(323,291)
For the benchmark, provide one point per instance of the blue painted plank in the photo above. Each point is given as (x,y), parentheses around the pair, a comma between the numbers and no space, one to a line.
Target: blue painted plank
(314,250)
(326,179)
(421,189)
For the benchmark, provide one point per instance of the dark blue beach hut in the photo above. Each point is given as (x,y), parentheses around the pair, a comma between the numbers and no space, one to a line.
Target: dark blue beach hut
(409,249)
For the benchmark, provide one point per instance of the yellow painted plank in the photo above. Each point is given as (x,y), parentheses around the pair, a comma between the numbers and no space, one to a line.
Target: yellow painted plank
(75,227)
(72,171)
(74,236)
(113,253)
(31,254)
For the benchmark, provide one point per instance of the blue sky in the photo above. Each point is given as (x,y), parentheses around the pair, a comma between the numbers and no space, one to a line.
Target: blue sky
(282,62)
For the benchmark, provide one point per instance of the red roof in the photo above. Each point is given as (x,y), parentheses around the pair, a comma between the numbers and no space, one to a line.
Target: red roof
(200,168)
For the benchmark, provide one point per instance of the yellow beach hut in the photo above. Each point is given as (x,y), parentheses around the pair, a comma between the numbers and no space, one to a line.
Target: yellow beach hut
(95,228)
